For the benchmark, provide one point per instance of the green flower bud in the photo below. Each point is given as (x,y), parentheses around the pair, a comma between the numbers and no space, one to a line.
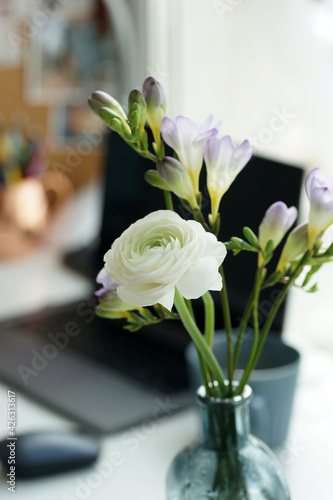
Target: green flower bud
(137,105)
(296,244)
(154,179)
(115,122)
(99,99)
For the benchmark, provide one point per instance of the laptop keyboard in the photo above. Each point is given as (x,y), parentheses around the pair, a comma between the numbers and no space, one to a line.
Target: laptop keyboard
(153,356)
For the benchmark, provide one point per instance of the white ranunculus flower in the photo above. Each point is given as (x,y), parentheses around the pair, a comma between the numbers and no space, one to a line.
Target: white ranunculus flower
(160,252)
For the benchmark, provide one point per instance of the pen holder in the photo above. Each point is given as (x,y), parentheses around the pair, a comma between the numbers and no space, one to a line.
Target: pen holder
(26,210)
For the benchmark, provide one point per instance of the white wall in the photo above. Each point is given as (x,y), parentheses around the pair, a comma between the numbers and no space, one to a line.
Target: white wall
(245,59)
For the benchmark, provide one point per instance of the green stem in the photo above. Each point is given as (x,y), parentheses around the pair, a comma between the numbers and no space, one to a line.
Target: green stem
(228,329)
(200,342)
(255,303)
(204,373)
(268,323)
(145,153)
(258,281)
(168,200)
(242,326)
(209,318)
(190,307)
(209,329)
(198,216)
(203,368)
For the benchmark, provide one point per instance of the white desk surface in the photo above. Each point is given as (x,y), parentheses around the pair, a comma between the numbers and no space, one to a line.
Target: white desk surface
(139,470)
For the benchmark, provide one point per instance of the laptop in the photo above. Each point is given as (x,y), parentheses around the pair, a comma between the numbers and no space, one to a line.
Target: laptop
(90,369)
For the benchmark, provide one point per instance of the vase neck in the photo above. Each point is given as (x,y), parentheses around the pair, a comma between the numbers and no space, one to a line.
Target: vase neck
(226,422)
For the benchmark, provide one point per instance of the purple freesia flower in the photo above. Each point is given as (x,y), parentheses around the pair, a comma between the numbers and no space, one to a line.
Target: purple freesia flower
(276,222)
(319,189)
(103,278)
(223,161)
(187,138)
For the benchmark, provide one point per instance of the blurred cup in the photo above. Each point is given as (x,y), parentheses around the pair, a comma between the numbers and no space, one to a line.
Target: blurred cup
(26,209)
(273,383)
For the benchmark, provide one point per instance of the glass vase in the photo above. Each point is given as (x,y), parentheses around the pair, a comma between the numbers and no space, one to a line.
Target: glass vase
(229,463)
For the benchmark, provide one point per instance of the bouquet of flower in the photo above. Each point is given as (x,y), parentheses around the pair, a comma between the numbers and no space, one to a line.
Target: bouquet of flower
(161,262)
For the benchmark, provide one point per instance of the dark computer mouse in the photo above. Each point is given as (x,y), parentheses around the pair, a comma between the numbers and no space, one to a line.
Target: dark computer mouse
(40,453)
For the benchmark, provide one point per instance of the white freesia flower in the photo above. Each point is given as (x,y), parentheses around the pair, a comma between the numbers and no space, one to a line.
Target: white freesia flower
(223,161)
(160,252)
(187,138)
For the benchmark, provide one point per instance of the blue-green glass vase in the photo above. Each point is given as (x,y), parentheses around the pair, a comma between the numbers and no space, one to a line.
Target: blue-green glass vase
(229,463)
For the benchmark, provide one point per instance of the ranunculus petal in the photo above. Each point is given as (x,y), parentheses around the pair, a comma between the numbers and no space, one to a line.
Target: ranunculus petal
(168,299)
(200,278)
(158,253)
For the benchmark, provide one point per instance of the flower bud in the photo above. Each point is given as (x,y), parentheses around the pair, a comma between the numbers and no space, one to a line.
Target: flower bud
(296,244)
(319,190)
(135,96)
(277,221)
(108,285)
(155,98)
(113,307)
(114,121)
(177,178)
(99,99)
(137,104)
(154,179)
